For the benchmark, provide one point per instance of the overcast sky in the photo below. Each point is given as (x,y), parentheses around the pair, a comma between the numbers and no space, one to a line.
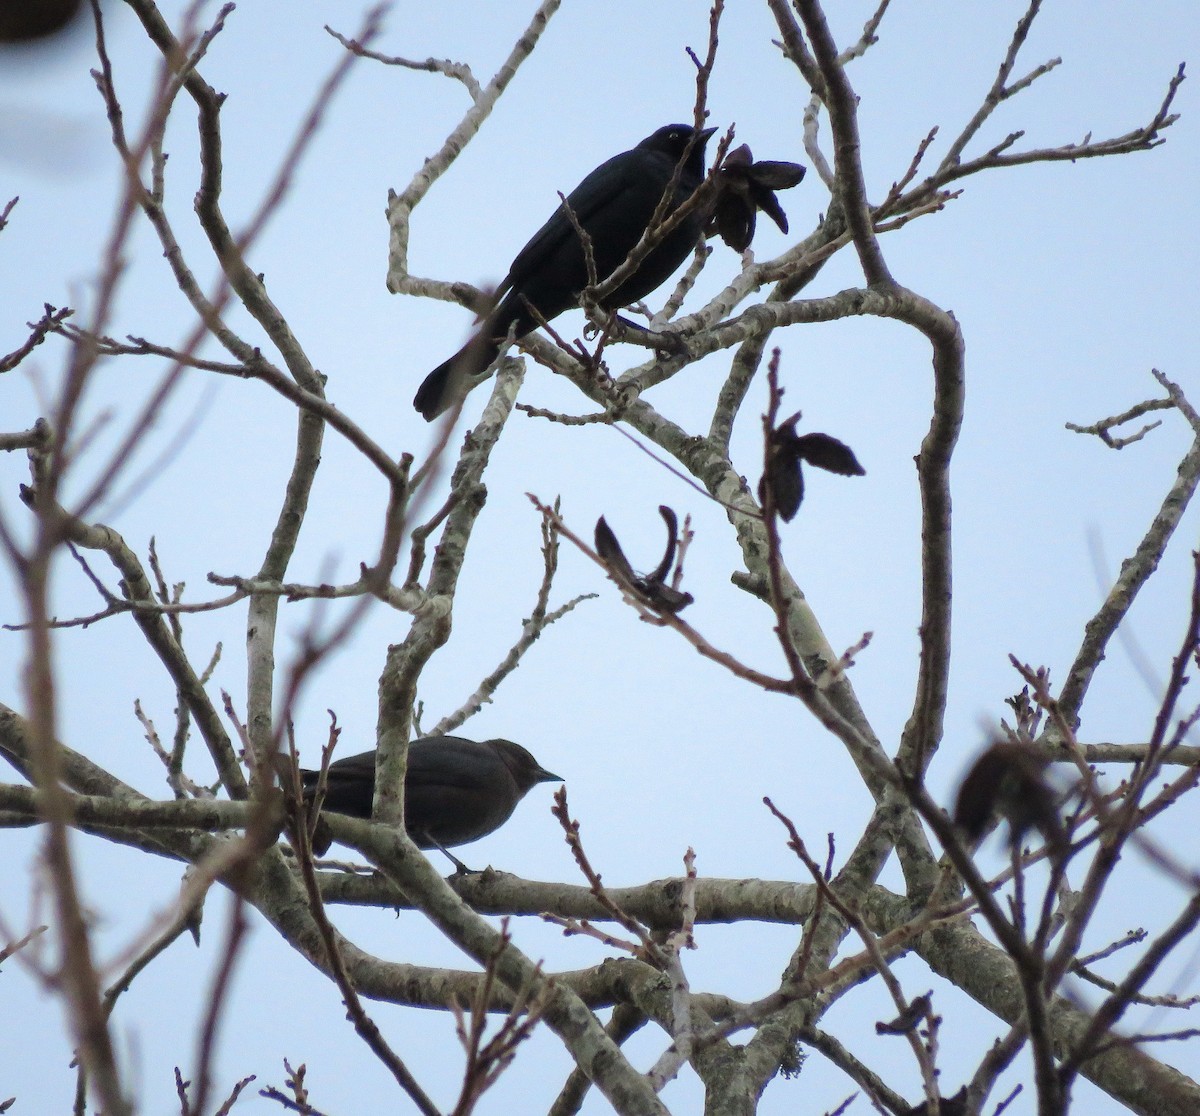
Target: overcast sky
(1070,281)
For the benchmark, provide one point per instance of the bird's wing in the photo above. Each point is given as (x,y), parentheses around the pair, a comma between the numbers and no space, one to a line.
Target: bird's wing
(348,769)
(451,761)
(604,186)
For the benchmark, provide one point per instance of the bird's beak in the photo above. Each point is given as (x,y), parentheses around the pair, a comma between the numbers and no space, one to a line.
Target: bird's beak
(707,133)
(545,776)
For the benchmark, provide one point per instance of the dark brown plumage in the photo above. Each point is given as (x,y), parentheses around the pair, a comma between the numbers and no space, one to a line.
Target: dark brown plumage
(456,790)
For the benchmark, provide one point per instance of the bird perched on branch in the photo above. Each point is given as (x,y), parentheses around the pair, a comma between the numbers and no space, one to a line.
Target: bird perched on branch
(613,206)
(455,790)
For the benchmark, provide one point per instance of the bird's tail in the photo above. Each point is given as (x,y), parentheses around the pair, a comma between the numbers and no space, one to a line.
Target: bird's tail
(453,378)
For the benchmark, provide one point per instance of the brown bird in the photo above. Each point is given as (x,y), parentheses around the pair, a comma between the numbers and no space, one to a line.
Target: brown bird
(455,792)
(1008,780)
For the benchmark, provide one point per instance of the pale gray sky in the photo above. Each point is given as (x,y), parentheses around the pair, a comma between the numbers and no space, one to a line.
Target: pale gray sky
(1070,281)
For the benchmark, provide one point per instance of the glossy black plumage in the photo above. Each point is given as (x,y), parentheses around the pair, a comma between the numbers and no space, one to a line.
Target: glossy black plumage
(455,792)
(613,205)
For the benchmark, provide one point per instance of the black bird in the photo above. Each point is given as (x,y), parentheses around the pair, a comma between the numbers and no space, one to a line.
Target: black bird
(455,791)
(26,22)
(613,205)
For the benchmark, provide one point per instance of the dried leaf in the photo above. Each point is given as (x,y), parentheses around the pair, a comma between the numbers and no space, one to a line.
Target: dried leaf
(739,158)
(735,220)
(610,550)
(1008,780)
(827,453)
(743,188)
(910,1019)
(652,589)
(664,567)
(769,204)
(783,479)
(948,1106)
(783,476)
(777,175)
